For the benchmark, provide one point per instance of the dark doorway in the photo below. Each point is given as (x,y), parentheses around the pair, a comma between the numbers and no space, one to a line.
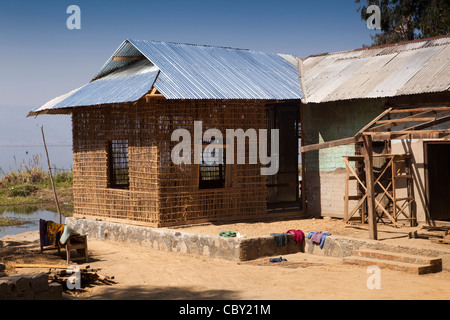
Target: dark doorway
(283,188)
(438,179)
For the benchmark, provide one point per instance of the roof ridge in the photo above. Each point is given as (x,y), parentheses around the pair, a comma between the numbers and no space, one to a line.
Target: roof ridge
(192,44)
(403,43)
(379,46)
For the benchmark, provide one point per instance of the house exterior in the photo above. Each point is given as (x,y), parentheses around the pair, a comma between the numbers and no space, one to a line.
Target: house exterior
(345,91)
(125,118)
(124,122)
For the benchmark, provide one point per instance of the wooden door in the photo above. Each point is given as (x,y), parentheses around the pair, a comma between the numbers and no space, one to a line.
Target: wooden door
(283,188)
(438,174)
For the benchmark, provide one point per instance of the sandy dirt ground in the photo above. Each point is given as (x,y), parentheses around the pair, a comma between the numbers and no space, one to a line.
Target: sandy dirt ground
(145,273)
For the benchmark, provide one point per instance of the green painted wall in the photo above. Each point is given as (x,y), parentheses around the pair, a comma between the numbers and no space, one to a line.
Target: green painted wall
(335,120)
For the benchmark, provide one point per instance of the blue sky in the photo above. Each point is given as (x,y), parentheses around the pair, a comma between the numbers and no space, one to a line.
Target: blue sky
(40,58)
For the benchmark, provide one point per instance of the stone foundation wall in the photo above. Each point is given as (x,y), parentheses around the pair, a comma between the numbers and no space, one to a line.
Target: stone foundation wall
(160,239)
(238,249)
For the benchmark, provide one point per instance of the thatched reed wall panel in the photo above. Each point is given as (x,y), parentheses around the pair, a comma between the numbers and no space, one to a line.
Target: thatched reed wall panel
(93,129)
(161,193)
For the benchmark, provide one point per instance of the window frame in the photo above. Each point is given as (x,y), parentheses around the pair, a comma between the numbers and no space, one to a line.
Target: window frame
(114,181)
(220,183)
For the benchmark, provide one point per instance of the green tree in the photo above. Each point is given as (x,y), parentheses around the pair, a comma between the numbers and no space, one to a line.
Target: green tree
(403,20)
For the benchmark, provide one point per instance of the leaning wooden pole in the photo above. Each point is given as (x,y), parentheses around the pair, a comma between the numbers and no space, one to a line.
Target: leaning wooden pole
(51,176)
(368,167)
(302,138)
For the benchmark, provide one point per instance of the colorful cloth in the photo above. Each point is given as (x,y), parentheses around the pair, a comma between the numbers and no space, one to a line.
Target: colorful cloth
(54,232)
(297,235)
(318,237)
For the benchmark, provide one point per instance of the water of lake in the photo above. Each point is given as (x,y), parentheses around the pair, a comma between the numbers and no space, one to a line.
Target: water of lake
(32,219)
(12,158)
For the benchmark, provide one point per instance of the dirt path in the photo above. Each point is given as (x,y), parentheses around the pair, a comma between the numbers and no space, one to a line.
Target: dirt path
(161,275)
(144,273)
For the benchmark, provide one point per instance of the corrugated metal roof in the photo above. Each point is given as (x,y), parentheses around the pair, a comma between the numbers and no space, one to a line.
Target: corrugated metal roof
(186,72)
(387,71)
(207,72)
(126,84)
(52,103)
(124,50)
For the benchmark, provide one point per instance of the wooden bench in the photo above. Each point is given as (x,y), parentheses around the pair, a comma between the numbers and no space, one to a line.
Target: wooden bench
(78,243)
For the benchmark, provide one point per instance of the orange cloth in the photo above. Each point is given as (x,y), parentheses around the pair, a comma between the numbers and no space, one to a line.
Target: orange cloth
(54,232)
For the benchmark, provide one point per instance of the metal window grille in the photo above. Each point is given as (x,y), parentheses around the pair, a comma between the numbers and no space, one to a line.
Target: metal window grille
(212,168)
(118,161)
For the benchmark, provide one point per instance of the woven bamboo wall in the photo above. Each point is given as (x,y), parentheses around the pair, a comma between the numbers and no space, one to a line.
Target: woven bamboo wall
(93,128)
(162,193)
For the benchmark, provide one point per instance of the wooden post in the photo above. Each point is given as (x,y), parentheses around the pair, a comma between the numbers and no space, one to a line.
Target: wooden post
(410,188)
(394,188)
(368,167)
(51,176)
(347,178)
(363,212)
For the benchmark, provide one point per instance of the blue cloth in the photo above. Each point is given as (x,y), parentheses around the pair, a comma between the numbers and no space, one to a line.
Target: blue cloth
(280,259)
(318,237)
(67,233)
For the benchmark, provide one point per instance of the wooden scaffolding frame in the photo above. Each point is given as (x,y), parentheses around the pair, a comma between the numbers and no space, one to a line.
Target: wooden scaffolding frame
(397,166)
(393,123)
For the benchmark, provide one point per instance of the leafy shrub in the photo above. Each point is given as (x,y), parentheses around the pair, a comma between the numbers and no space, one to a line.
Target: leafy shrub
(34,174)
(21,190)
(64,177)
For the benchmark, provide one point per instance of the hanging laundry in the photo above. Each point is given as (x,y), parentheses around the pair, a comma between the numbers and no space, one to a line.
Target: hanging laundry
(54,232)
(281,239)
(43,237)
(67,233)
(318,237)
(297,235)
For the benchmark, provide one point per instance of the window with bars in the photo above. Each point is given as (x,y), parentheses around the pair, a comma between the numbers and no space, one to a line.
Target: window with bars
(118,164)
(212,168)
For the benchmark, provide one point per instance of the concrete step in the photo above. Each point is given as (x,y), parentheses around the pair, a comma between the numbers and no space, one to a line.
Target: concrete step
(401,257)
(395,261)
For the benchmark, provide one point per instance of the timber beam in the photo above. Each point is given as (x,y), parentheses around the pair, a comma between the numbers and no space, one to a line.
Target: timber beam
(128,58)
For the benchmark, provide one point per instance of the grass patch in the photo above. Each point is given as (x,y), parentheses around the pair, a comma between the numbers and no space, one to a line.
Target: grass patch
(21,190)
(31,184)
(9,221)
